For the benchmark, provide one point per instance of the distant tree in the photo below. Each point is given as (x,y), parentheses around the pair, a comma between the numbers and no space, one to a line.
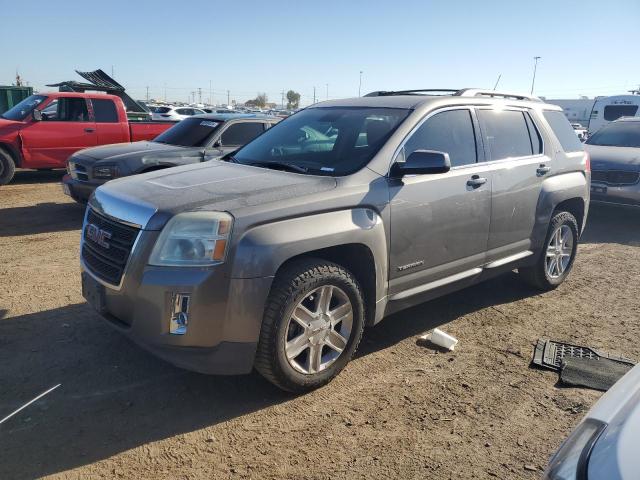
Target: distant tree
(293,99)
(259,101)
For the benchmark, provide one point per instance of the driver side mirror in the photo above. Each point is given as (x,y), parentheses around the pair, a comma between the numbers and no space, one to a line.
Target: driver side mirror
(422,162)
(37,115)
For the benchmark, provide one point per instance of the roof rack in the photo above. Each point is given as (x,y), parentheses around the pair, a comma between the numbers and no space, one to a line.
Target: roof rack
(477,92)
(465,92)
(424,91)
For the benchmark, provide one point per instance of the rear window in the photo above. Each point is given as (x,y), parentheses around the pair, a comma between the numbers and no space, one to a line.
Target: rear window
(614,112)
(162,110)
(190,132)
(619,134)
(505,134)
(104,111)
(563,131)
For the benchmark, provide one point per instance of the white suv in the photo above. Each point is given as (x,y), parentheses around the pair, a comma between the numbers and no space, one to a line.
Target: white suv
(174,114)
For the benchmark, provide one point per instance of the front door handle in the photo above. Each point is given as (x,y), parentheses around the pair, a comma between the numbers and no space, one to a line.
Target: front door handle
(476,181)
(89,130)
(543,170)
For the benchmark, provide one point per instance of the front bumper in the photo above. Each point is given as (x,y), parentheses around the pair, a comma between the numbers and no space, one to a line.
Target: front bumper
(79,190)
(620,195)
(224,314)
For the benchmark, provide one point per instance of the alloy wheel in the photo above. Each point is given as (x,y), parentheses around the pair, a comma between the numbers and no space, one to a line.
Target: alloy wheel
(559,251)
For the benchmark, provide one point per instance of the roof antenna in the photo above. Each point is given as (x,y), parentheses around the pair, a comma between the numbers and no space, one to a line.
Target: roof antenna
(497,82)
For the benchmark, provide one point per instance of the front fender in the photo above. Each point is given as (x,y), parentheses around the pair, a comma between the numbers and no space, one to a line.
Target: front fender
(555,190)
(263,249)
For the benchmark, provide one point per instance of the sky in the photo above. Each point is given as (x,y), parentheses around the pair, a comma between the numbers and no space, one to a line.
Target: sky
(173,48)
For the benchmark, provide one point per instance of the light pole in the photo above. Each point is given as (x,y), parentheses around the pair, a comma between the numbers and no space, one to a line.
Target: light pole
(360,84)
(535,66)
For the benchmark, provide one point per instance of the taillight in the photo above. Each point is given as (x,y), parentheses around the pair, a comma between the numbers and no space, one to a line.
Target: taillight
(587,162)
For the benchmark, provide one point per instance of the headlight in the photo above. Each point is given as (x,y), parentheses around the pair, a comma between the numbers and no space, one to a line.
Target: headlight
(105,171)
(193,239)
(571,459)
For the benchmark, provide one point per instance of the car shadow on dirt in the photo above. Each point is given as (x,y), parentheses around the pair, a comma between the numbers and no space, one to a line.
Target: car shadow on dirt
(612,224)
(22,177)
(114,396)
(40,218)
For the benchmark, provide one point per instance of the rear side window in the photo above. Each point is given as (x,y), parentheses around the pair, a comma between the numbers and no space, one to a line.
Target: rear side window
(534,134)
(505,134)
(450,132)
(241,133)
(104,111)
(614,112)
(563,131)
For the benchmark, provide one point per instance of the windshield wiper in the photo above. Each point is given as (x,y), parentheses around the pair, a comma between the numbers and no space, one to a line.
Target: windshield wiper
(292,167)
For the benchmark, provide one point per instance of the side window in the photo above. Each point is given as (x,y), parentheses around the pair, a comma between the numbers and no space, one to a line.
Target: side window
(67,110)
(450,132)
(505,134)
(104,111)
(241,133)
(563,130)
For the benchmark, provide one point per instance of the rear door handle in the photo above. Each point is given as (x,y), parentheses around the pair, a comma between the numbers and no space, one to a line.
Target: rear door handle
(543,170)
(89,130)
(476,181)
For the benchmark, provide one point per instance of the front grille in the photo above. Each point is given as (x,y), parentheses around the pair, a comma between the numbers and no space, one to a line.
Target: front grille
(615,177)
(78,171)
(108,261)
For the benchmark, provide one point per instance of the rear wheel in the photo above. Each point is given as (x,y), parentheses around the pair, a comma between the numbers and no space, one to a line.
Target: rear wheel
(7,167)
(559,251)
(312,325)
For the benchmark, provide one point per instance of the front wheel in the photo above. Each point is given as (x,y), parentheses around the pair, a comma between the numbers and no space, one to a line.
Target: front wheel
(7,167)
(312,325)
(558,254)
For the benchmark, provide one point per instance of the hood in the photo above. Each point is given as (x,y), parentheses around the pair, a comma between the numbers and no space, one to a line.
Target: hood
(613,158)
(118,150)
(212,185)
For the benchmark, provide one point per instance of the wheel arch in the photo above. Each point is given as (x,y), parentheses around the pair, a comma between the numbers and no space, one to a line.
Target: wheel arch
(13,153)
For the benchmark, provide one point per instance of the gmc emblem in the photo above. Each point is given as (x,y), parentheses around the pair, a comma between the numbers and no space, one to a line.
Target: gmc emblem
(97,235)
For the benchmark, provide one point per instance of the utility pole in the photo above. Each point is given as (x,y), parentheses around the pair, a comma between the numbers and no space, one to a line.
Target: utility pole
(327,91)
(147,93)
(535,66)
(165,92)
(282,103)
(111,71)
(210,94)
(314,95)
(199,95)
(360,84)
(228,97)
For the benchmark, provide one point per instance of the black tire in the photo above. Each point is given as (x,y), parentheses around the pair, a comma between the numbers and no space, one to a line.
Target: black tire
(291,286)
(537,275)
(7,167)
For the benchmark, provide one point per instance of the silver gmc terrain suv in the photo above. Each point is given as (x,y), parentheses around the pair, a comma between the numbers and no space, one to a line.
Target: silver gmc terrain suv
(279,255)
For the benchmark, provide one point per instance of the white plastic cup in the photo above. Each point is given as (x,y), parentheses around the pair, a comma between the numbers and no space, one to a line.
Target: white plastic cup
(441,339)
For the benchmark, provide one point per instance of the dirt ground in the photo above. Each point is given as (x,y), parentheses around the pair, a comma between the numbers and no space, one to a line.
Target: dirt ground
(399,410)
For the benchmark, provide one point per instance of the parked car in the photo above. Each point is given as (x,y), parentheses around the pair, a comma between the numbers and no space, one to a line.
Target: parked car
(604,446)
(196,139)
(581,131)
(43,130)
(615,159)
(174,114)
(277,256)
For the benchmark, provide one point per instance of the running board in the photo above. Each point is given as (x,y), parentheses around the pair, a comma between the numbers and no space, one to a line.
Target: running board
(458,276)
(438,283)
(509,259)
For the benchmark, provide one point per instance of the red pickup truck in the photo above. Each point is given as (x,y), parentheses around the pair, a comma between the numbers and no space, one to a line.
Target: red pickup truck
(44,129)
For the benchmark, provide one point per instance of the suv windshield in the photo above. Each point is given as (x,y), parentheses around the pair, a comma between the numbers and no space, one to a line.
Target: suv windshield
(190,132)
(619,134)
(24,108)
(326,140)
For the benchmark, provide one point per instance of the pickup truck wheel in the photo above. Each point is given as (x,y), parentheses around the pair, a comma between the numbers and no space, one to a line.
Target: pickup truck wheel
(559,251)
(312,325)
(7,167)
